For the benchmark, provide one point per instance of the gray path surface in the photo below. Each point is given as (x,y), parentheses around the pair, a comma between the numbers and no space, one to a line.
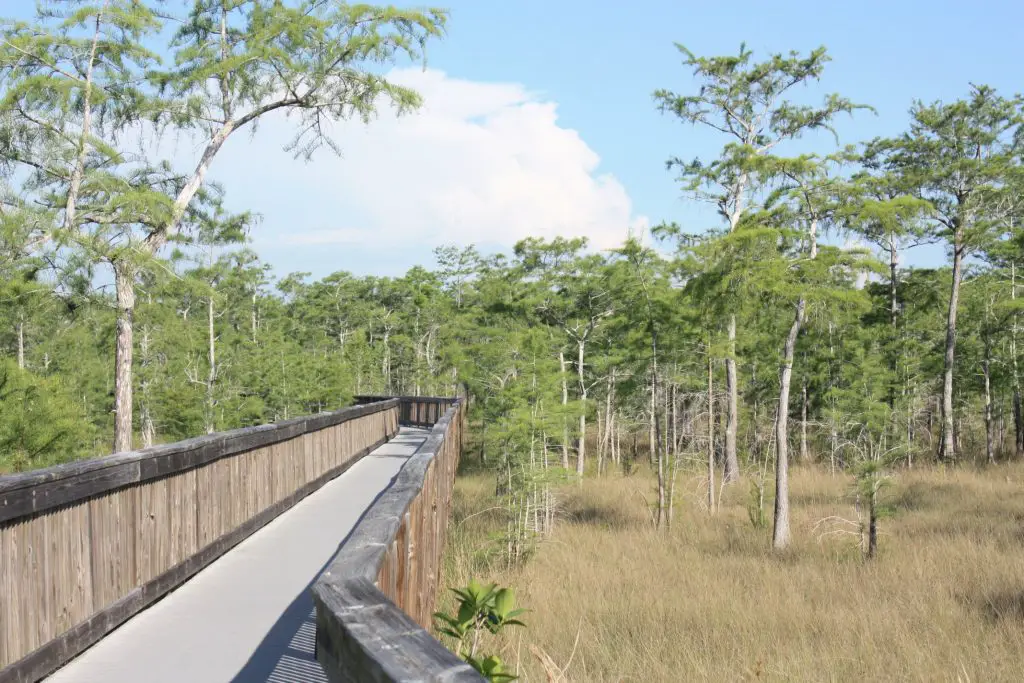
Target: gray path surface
(248,616)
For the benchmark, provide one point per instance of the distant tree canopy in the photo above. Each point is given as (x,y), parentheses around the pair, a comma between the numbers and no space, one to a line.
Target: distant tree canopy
(731,344)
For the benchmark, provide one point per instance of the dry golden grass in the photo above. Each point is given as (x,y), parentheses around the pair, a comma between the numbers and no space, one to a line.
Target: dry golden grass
(613,599)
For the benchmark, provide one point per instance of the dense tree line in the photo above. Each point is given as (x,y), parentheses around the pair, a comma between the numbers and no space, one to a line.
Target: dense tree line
(737,348)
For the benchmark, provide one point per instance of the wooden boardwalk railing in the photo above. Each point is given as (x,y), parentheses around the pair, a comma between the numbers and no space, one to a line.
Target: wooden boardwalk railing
(86,545)
(375,599)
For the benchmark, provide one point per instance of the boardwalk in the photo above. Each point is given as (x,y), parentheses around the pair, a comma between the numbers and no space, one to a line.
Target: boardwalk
(248,616)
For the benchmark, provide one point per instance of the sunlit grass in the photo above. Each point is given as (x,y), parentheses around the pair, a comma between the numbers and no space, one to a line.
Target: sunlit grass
(617,600)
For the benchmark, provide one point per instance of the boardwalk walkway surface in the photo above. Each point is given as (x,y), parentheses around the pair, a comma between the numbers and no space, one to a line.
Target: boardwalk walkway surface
(247,617)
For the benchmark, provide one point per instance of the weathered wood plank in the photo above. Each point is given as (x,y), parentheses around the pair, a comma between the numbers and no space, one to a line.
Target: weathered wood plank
(211,488)
(152,530)
(182,494)
(112,546)
(68,566)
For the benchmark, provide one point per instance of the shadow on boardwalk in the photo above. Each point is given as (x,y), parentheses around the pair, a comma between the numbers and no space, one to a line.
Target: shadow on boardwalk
(285,655)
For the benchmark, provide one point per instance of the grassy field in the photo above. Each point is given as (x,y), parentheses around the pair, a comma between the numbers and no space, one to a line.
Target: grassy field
(613,599)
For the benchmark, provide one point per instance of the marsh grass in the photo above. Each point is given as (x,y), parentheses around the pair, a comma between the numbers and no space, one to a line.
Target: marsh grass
(616,600)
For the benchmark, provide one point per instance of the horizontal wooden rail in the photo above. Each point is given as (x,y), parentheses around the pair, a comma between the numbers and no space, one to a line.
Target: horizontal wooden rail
(375,600)
(86,545)
(415,411)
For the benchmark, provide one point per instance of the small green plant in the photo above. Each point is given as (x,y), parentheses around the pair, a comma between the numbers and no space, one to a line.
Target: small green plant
(872,479)
(480,608)
(755,504)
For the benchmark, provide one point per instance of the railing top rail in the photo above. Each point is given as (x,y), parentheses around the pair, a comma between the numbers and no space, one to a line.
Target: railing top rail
(417,399)
(29,493)
(376,630)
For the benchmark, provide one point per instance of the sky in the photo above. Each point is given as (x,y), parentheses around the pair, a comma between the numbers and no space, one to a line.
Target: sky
(539,120)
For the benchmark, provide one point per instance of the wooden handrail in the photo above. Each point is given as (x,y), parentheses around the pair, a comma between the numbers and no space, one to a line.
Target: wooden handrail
(86,545)
(375,600)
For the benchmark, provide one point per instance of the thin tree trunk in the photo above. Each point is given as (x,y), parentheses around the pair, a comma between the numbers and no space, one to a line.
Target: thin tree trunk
(675,423)
(148,428)
(21,344)
(655,439)
(78,173)
(989,436)
(606,445)
(780,535)
(947,444)
(124,283)
(565,417)
(581,450)
(711,434)
(873,524)
(652,424)
(673,463)
(732,464)
(986,372)
(804,455)
(211,377)
(1018,414)
(618,441)
(252,317)
(893,316)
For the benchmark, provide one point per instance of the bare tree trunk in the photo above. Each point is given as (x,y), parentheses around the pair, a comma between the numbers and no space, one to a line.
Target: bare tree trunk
(1018,415)
(21,344)
(989,434)
(78,173)
(804,455)
(581,450)
(947,447)
(711,435)
(565,418)
(732,463)
(780,536)
(893,315)
(985,364)
(655,439)
(148,428)
(652,425)
(617,440)
(673,463)
(675,423)
(252,317)
(124,283)
(873,523)
(604,446)
(211,377)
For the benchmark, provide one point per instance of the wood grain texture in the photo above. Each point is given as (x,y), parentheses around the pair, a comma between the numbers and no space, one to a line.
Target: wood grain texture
(68,565)
(112,541)
(183,497)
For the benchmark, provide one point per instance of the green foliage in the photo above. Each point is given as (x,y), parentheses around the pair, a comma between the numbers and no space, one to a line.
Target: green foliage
(480,608)
(40,424)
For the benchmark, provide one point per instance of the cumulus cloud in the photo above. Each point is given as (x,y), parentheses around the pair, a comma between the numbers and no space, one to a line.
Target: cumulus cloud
(484,163)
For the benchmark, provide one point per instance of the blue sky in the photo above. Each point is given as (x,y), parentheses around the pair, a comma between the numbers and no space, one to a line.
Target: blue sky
(542,121)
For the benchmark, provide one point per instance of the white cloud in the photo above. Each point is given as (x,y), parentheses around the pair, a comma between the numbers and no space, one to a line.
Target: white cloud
(483,163)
